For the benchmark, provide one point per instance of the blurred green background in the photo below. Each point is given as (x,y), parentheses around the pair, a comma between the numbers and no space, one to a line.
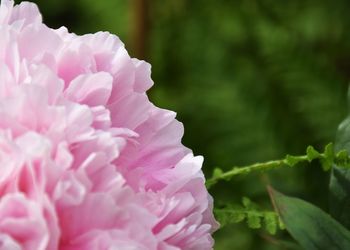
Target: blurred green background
(252,80)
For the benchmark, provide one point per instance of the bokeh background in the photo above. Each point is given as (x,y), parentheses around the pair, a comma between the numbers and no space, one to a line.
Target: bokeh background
(252,80)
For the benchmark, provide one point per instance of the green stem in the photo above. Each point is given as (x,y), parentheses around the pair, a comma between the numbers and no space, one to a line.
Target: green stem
(264,166)
(328,158)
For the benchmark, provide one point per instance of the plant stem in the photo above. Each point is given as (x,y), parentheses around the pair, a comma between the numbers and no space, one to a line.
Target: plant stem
(327,158)
(263,166)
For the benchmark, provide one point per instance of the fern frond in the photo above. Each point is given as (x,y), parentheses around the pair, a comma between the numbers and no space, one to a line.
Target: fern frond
(249,212)
(327,159)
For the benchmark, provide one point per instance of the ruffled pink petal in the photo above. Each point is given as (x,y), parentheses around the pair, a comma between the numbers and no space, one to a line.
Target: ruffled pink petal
(88,162)
(22,221)
(90,89)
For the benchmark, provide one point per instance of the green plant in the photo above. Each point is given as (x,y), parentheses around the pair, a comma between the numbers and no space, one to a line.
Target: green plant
(311,227)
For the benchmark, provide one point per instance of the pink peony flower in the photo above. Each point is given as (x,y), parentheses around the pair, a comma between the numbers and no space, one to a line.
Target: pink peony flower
(87,161)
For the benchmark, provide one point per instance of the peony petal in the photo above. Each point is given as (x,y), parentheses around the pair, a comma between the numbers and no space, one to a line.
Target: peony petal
(87,161)
(90,89)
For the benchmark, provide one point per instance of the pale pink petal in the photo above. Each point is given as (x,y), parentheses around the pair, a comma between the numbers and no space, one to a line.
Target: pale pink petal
(22,220)
(88,162)
(90,89)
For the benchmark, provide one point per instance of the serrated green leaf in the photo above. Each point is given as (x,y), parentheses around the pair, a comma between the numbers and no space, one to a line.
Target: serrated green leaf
(254,221)
(329,151)
(228,216)
(327,161)
(281,223)
(326,164)
(250,212)
(312,153)
(247,202)
(237,217)
(309,225)
(342,155)
(292,160)
(271,224)
(217,172)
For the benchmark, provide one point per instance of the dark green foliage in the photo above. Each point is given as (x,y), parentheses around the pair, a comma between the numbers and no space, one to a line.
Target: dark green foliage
(309,225)
(251,213)
(340,179)
(253,81)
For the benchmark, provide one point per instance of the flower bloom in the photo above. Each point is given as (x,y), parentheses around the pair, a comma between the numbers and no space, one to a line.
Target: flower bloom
(87,161)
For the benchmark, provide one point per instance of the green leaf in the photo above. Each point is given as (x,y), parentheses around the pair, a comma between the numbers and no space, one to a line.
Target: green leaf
(250,212)
(340,179)
(247,203)
(342,156)
(309,225)
(254,221)
(271,223)
(287,245)
(312,153)
(328,159)
(292,160)
(329,151)
(217,172)
(229,216)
